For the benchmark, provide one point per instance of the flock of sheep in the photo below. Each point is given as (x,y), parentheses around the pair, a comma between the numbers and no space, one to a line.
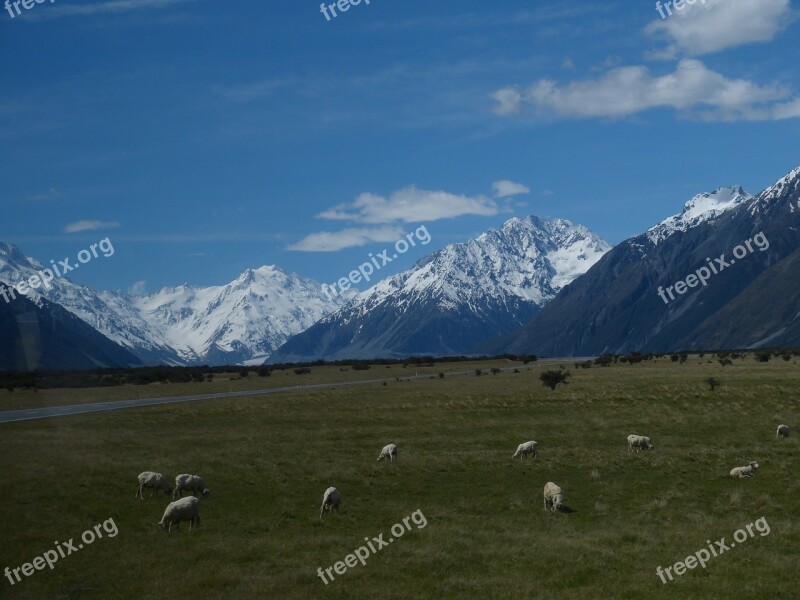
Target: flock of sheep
(554,497)
(183,509)
(188,509)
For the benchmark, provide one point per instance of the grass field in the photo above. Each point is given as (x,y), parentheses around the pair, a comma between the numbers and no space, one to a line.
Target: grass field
(268,460)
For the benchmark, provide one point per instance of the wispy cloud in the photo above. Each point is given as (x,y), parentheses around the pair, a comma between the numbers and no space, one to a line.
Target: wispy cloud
(692,88)
(138,289)
(410,205)
(333,241)
(79,226)
(505,188)
(51,194)
(714,25)
(247,92)
(111,7)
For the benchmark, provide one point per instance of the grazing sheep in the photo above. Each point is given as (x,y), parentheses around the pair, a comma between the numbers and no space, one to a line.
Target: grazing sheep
(640,442)
(190,483)
(783,431)
(389,451)
(330,501)
(553,498)
(526,448)
(747,471)
(153,480)
(185,509)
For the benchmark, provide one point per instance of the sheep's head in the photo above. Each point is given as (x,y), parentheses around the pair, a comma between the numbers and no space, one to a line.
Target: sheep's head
(206,493)
(754,464)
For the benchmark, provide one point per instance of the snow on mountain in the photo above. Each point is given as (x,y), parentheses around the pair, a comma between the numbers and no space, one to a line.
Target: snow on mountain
(455,296)
(529,258)
(702,207)
(244,320)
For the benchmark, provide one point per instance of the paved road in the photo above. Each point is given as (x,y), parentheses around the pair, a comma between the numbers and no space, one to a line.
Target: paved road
(12,416)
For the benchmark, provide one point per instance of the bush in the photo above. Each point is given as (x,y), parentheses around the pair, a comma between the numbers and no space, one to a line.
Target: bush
(762,356)
(360,366)
(264,372)
(441,375)
(604,361)
(478,372)
(302,371)
(495,371)
(725,361)
(552,378)
(713,383)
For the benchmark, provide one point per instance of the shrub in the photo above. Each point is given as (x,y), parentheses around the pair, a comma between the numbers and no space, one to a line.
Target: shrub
(713,383)
(552,378)
(302,371)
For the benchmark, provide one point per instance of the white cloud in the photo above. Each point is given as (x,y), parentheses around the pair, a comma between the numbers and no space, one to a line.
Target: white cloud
(79,226)
(333,241)
(505,188)
(509,101)
(630,90)
(410,205)
(712,25)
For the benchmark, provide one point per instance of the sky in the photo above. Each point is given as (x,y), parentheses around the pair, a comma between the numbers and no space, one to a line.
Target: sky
(203,138)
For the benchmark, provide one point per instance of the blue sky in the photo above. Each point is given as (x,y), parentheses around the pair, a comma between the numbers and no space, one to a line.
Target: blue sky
(207,137)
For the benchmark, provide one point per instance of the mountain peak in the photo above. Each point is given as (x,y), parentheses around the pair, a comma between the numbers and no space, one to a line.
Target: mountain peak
(701,208)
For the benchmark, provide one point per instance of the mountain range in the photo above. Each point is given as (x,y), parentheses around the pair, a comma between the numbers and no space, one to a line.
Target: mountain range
(539,286)
(242,321)
(456,297)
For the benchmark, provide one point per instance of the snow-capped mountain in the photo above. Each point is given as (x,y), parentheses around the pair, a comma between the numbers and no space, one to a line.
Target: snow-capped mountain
(617,306)
(697,210)
(457,296)
(244,320)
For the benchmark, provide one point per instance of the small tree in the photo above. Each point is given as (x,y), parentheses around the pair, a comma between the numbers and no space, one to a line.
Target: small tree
(495,371)
(713,383)
(552,378)
(441,374)
(725,361)
(477,372)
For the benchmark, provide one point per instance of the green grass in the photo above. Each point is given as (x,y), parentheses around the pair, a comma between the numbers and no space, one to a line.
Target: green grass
(269,459)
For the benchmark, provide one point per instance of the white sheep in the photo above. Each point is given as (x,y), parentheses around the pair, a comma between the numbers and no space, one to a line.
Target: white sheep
(640,442)
(389,451)
(747,471)
(330,501)
(553,497)
(190,483)
(185,509)
(526,448)
(149,479)
(783,431)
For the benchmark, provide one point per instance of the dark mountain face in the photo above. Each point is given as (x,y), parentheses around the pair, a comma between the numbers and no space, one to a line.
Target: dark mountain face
(44,336)
(747,258)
